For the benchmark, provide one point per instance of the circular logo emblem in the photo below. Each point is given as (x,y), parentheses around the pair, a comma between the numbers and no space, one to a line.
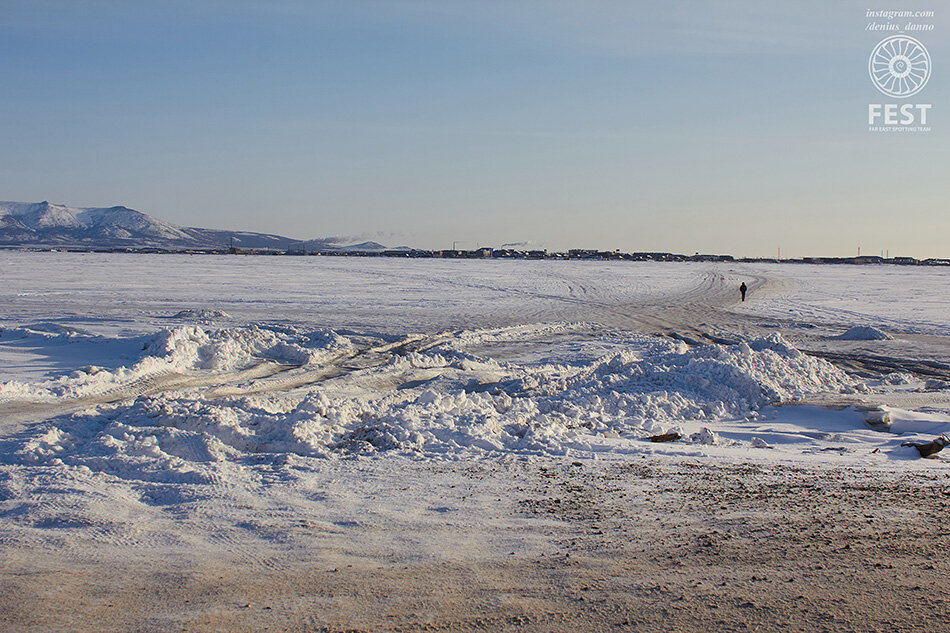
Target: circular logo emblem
(899,66)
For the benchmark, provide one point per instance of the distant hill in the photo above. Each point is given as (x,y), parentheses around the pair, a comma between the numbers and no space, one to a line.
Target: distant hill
(334,244)
(47,225)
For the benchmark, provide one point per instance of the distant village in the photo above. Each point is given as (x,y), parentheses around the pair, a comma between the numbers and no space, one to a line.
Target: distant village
(301,250)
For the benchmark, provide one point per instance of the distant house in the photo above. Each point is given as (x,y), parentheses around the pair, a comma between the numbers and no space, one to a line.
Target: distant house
(865,259)
(657,257)
(712,258)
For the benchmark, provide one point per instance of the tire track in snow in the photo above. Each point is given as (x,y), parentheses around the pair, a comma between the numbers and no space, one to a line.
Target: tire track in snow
(264,377)
(699,314)
(151,384)
(671,315)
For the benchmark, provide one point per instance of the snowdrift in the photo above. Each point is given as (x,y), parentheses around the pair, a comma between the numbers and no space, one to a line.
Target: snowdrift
(463,405)
(179,350)
(864,333)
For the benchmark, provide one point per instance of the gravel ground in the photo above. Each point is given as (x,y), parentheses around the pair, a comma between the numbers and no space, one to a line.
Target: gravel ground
(644,545)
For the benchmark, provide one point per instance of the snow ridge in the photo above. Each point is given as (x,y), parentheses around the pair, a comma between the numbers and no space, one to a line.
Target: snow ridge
(468,406)
(180,350)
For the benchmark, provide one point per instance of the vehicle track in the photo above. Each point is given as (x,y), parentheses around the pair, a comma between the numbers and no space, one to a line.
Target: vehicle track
(699,314)
(151,384)
(667,316)
(874,365)
(264,377)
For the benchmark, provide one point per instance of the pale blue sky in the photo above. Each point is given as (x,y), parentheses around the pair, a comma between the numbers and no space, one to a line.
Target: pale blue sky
(691,126)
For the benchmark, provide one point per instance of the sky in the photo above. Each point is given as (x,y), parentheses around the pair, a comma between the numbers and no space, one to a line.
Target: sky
(713,127)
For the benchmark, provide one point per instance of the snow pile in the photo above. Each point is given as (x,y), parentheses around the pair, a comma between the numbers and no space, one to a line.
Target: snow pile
(186,349)
(15,389)
(704,436)
(711,381)
(467,405)
(902,381)
(899,378)
(864,333)
(194,347)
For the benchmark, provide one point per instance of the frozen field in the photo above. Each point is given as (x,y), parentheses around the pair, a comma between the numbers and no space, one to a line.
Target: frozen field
(195,415)
(122,294)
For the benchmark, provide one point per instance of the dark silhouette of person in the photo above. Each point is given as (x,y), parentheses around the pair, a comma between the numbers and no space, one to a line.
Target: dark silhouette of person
(742,289)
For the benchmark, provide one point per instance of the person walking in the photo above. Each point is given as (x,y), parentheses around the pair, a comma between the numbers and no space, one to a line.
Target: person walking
(742,290)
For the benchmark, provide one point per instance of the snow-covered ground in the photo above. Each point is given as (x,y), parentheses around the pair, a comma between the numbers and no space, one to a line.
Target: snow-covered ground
(126,294)
(325,357)
(184,401)
(904,298)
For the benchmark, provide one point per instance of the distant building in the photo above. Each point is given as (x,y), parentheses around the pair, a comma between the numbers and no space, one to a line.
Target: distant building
(865,259)
(712,258)
(904,261)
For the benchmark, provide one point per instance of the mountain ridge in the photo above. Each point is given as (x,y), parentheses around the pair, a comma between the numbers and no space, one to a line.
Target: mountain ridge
(49,225)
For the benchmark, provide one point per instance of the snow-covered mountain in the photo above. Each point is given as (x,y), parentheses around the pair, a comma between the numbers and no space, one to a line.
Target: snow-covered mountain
(44,224)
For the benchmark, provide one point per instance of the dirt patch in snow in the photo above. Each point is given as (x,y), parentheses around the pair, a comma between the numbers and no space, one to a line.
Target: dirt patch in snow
(577,546)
